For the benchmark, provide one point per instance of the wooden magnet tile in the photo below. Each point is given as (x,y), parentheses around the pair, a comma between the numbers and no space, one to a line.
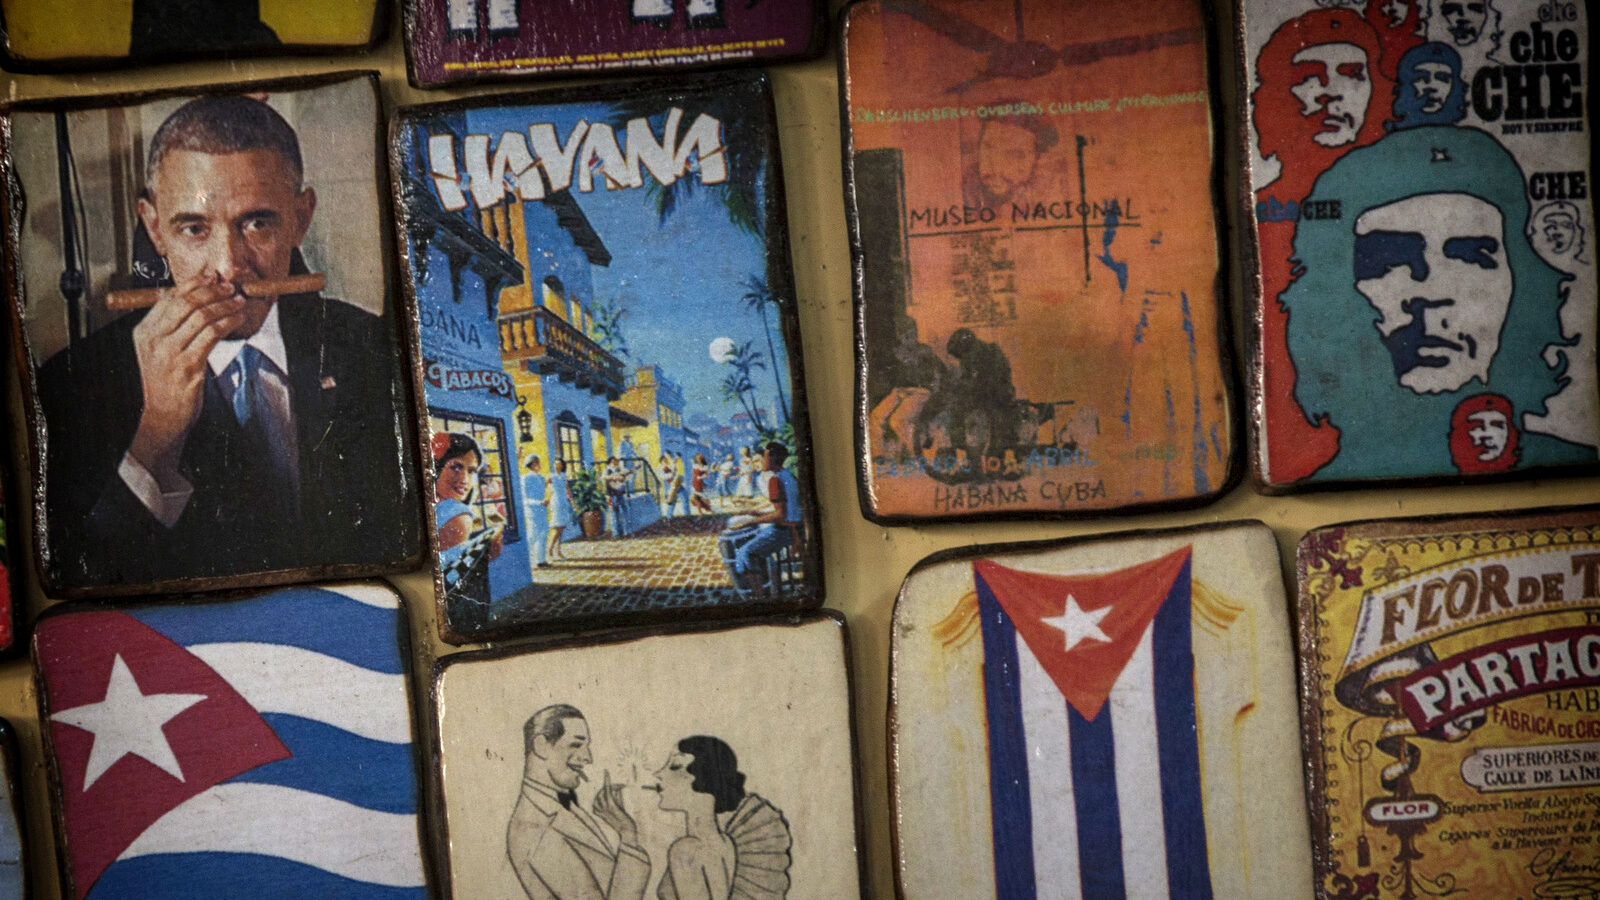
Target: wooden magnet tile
(1450,684)
(609,357)
(257,747)
(210,367)
(1038,314)
(454,41)
(8,611)
(48,36)
(603,768)
(1110,717)
(1423,240)
(13,851)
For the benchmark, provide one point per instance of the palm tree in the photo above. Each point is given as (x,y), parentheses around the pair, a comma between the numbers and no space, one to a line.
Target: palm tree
(758,297)
(607,317)
(738,383)
(747,148)
(733,388)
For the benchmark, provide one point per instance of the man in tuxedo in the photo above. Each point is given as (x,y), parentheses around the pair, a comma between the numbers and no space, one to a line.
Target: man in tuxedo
(558,849)
(220,434)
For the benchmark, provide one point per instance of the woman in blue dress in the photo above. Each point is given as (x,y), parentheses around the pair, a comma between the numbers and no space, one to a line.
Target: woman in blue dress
(456,459)
(465,544)
(561,515)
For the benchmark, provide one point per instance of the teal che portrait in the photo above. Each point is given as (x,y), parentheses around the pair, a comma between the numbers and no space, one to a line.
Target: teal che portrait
(1422,323)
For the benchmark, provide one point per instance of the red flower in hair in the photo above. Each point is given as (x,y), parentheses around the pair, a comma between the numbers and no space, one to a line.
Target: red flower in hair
(440,445)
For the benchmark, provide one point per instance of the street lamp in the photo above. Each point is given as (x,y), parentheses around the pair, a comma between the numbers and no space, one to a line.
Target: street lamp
(524,421)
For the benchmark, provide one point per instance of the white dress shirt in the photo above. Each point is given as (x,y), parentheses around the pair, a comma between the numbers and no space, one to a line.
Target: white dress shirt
(167,505)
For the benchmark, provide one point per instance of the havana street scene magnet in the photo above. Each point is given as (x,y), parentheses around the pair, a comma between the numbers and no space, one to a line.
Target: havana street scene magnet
(609,355)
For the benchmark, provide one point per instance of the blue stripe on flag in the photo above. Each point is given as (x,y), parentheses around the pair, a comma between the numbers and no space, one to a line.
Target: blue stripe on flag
(237,876)
(321,621)
(1188,871)
(1094,791)
(335,763)
(1010,809)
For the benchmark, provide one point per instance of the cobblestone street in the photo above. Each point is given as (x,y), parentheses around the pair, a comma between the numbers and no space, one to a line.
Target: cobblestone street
(677,552)
(672,563)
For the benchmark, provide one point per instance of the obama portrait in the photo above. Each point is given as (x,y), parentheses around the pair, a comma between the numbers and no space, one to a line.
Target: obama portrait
(238,423)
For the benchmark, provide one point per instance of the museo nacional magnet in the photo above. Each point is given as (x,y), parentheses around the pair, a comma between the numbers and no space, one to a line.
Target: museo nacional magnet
(1038,311)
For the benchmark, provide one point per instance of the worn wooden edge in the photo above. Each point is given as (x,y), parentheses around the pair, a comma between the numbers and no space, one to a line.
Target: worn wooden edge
(53,781)
(377,33)
(1526,519)
(1311,634)
(1308,645)
(12,213)
(984,551)
(1319,486)
(780,278)
(1248,250)
(816,44)
(1255,306)
(1222,306)
(10,557)
(10,759)
(434,786)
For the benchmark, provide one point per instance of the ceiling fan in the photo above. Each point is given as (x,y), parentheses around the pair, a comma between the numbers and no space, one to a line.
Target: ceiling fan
(1021,59)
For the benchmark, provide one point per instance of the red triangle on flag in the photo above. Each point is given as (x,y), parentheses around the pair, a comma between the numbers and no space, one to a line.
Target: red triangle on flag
(1083,628)
(210,740)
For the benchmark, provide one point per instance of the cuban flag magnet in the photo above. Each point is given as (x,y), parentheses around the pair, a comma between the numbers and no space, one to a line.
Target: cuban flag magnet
(252,748)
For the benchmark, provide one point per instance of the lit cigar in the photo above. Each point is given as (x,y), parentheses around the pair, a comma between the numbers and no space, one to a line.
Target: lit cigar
(117,301)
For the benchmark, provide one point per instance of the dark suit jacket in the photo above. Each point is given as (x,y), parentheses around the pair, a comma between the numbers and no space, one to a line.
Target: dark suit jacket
(357,499)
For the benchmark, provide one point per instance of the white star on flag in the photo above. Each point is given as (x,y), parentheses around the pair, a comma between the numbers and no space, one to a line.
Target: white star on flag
(1077,625)
(128,721)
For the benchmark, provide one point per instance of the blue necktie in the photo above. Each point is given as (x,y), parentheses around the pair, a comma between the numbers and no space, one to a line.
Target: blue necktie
(247,386)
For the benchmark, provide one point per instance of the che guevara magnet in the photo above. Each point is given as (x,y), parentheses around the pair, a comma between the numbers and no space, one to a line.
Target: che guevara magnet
(1419,215)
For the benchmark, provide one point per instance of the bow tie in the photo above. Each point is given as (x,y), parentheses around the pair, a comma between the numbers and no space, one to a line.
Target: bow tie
(568,799)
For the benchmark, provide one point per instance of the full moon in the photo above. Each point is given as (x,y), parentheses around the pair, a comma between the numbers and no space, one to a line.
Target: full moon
(722,350)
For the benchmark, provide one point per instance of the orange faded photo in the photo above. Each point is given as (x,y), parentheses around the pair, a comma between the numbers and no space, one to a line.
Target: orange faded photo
(1033,188)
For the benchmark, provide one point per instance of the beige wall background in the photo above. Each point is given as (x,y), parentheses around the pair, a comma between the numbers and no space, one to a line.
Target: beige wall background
(864,563)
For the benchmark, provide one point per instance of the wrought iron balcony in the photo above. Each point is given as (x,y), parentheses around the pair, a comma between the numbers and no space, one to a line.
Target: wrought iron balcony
(546,344)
